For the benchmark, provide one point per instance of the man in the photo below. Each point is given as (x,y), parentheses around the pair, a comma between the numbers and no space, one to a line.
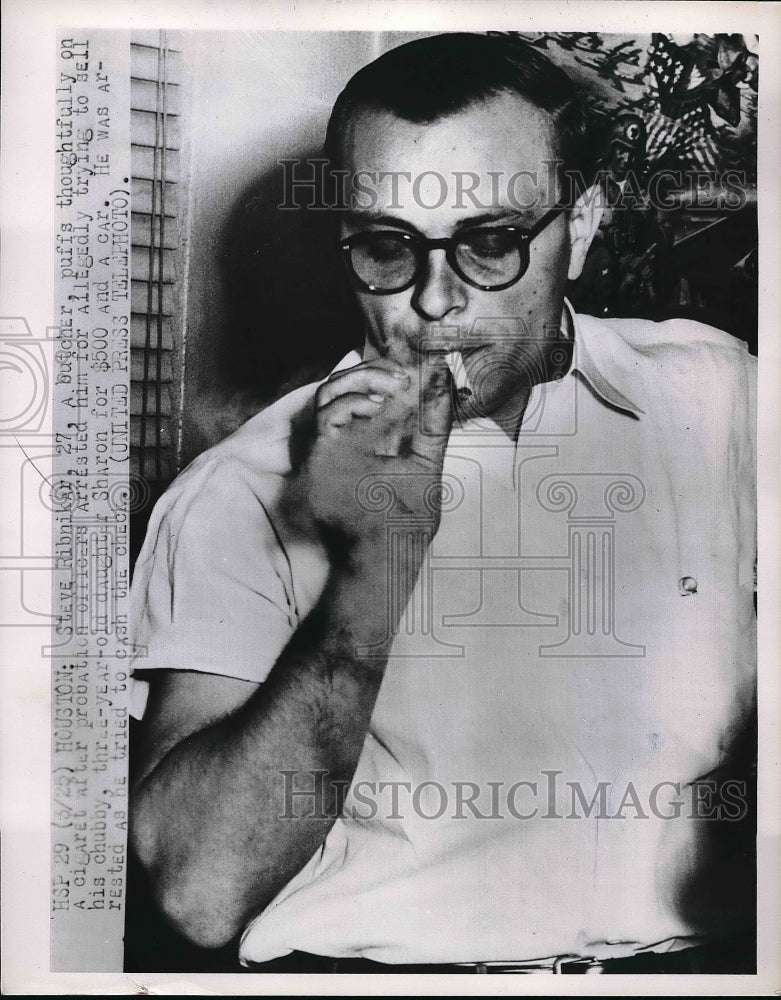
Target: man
(441,651)
(618,277)
(628,222)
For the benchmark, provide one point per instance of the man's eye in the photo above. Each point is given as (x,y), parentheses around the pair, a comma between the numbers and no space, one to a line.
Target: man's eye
(489,243)
(387,248)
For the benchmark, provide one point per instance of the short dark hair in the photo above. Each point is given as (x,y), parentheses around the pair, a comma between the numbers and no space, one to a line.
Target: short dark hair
(430,78)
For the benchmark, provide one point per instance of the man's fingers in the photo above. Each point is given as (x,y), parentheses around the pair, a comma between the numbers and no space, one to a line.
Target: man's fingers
(412,409)
(343,409)
(418,420)
(378,381)
(436,410)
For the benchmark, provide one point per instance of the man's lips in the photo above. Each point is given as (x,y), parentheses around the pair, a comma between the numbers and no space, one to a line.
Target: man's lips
(447,347)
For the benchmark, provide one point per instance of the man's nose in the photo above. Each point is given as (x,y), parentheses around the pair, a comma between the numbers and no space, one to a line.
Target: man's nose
(439,291)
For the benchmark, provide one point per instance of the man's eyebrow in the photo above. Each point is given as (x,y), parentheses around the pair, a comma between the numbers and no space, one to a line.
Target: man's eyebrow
(506,215)
(368,217)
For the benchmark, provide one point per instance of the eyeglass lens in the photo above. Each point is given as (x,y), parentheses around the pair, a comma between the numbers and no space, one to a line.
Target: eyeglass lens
(386,261)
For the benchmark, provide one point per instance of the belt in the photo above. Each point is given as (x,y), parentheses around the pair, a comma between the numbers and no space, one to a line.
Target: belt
(736,956)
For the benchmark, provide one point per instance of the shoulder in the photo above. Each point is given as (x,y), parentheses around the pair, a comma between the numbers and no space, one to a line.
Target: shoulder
(699,361)
(670,357)
(677,337)
(262,445)
(236,482)
(259,450)
(679,374)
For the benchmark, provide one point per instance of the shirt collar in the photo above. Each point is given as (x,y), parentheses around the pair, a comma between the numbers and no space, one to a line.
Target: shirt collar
(348,361)
(600,357)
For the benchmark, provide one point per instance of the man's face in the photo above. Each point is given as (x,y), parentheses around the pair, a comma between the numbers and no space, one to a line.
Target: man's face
(505,335)
(619,161)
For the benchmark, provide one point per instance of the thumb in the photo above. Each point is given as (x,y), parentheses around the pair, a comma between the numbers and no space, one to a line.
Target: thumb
(435,416)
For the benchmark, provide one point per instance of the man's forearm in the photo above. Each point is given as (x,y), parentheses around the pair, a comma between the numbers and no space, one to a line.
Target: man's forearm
(209,821)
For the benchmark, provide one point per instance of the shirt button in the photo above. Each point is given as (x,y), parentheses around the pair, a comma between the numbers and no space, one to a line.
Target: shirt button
(687,585)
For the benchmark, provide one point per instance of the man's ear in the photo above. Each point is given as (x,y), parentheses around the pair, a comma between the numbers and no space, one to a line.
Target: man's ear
(583,223)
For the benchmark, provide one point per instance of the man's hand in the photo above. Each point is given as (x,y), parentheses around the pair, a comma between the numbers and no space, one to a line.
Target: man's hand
(381,433)
(208,804)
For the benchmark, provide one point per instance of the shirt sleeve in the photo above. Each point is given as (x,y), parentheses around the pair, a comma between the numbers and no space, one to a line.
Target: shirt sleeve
(212,589)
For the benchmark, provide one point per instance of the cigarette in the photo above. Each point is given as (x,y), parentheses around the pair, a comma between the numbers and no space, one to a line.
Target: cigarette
(455,363)
(391,444)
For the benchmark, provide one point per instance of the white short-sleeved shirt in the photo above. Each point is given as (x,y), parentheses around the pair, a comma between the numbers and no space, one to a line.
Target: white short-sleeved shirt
(579,647)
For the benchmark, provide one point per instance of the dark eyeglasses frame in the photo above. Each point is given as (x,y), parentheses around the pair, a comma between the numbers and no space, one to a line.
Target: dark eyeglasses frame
(422,246)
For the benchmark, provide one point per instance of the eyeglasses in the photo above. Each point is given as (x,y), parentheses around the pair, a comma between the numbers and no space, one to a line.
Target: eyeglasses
(387,261)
